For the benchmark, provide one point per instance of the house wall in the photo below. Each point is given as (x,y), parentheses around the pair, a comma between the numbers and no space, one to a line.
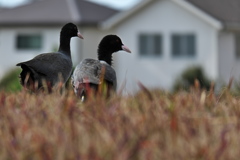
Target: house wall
(10,56)
(229,64)
(164,17)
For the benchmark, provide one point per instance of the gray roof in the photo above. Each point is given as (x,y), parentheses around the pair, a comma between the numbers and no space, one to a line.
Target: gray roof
(56,12)
(226,11)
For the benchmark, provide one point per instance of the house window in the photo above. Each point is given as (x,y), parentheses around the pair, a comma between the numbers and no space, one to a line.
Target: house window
(150,44)
(183,45)
(29,41)
(237,44)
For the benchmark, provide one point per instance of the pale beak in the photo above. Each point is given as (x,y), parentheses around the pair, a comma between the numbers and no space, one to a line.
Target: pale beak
(80,35)
(125,48)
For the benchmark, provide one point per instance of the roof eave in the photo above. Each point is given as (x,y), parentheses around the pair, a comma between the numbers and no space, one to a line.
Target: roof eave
(119,17)
(49,24)
(32,24)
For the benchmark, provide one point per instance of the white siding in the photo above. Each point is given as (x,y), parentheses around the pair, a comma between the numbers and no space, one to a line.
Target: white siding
(229,65)
(166,18)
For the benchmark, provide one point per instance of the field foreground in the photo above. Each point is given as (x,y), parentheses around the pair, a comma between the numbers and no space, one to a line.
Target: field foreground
(148,126)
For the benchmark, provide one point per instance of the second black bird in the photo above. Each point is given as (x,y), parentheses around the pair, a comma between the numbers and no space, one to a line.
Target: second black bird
(89,74)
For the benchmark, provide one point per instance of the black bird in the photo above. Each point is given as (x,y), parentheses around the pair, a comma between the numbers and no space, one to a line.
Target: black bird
(50,67)
(91,73)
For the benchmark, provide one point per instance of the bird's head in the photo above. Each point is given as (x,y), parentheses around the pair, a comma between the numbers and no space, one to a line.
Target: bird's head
(71,30)
(112,43)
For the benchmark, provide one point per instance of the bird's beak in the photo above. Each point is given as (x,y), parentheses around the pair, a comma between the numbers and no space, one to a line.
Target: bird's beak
(125,48)
(80,35)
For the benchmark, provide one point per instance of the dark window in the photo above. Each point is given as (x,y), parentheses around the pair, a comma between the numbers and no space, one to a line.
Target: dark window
(183,45)
(150,44)
(29,41)
(237,44)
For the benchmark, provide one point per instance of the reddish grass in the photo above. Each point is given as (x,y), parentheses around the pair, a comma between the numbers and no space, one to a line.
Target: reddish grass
(151,125)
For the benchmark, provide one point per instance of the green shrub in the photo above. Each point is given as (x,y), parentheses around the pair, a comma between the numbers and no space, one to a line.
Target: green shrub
(10,82)
(187,79)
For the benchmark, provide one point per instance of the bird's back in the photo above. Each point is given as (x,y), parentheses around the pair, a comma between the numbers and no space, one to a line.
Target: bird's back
(48,66)
(94,73)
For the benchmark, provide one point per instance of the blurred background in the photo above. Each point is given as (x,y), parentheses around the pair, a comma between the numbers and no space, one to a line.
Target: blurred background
(122,5)
(172,41)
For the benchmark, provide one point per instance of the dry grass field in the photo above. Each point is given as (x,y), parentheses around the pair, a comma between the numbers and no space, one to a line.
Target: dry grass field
(150,125)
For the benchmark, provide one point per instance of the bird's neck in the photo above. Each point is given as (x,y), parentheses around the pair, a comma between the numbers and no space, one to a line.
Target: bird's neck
(104,55)
(64,46)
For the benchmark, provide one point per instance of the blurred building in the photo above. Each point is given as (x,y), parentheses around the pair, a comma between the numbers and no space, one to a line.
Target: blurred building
(34,28)
(165,36)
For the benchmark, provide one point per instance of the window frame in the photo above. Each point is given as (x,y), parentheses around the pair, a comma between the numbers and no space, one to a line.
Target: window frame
(149,36)
(28,47)
(184,48)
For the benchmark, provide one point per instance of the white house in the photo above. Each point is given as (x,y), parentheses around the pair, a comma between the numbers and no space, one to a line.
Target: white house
(165,36)
(168,36)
